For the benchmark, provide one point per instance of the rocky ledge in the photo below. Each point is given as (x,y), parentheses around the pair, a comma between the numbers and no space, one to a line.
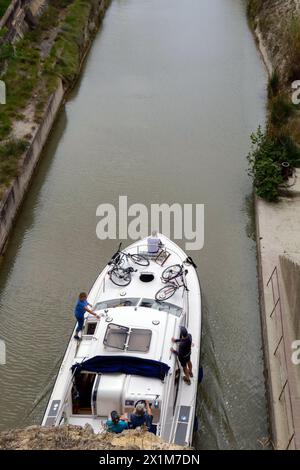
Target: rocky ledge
(77,438)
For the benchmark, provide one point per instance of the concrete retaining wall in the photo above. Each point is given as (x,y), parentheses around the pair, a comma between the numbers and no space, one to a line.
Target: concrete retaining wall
(290,271)
(278,228)
(290,268)
(13,197)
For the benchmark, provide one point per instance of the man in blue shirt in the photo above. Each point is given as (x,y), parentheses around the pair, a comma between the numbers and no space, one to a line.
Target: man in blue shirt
(116,424)
(79,312)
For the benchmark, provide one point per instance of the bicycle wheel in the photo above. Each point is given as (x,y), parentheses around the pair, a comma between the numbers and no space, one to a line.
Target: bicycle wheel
(171,272)
(165,292)
(119,277)
(140,260)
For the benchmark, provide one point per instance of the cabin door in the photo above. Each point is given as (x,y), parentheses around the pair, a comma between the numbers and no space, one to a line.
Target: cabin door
(94,394)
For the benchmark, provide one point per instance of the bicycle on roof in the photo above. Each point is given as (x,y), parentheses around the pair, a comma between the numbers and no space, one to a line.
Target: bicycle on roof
(174,276)
(120,273)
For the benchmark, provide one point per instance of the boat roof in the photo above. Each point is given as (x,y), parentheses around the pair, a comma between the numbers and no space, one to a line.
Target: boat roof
(134,307)
(147,331)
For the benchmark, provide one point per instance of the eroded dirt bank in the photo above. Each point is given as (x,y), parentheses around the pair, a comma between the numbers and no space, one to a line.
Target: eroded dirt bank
(77,438)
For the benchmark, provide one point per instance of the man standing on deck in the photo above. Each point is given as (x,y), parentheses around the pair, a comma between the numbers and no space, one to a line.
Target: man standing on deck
(79,312)
(184,353)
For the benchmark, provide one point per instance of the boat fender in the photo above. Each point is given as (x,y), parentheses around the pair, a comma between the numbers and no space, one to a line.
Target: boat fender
(200,375)
(196,424)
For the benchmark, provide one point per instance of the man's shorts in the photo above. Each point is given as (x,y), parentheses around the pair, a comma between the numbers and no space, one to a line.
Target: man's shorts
(184,360)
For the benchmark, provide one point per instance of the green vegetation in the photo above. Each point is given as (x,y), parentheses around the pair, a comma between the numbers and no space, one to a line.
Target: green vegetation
(67,50)
(3,6)
(265,159)
(274,147)
(31,68)
(21,77)
(280,143)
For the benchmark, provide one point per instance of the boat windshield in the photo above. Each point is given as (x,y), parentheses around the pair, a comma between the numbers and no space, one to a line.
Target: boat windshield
(162,306)
(129,339)
(113,303)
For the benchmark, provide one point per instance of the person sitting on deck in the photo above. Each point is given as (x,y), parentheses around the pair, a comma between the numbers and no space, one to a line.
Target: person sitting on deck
(184,353)
(142,416)
(80,309)
(154,243)
(116,424)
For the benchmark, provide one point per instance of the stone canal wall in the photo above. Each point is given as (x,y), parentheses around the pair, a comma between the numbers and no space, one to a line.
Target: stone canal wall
(16,192)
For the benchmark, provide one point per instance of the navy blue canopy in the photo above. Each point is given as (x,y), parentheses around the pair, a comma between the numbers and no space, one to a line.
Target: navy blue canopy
(123,365)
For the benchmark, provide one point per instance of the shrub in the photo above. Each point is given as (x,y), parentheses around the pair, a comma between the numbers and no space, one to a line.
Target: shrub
(265,159)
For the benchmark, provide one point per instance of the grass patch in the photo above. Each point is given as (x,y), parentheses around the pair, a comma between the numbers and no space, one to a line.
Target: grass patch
(21,77)
(68,47)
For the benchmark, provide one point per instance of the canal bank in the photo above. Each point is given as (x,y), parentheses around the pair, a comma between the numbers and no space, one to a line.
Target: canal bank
(31,131)
(77,438)
(142,122)
(277,230)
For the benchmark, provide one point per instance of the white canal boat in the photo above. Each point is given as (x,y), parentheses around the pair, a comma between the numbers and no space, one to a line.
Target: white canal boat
(124,357)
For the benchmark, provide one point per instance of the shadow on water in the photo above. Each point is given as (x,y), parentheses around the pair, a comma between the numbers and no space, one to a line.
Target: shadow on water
(23,224)
(33,415)
(249,209)
(214,429)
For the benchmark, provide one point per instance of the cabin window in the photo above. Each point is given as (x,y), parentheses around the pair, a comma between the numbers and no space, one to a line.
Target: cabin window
(139,340)
(127,302)
(162,306)
(116,336)
(130,339)
(90,328)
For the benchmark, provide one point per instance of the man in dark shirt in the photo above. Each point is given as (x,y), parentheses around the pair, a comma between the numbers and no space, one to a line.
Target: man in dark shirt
(184,353)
